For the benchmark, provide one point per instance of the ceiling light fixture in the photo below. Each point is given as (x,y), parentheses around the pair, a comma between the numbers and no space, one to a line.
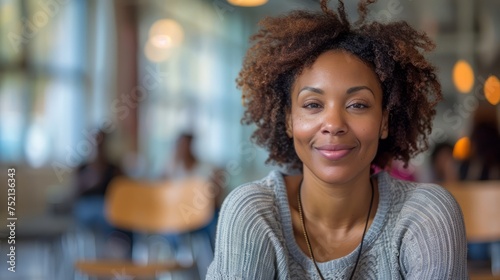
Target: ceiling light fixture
(247,3)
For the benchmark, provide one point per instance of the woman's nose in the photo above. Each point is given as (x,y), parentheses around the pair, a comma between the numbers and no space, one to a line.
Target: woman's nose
(334,121)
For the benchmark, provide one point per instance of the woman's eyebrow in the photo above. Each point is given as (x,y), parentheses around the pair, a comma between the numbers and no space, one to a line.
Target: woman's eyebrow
(349,91)
(313,89)
(358,88)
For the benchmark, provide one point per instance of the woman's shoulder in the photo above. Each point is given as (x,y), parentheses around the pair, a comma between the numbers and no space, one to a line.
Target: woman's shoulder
(426,193)
(258,195)
(426,200)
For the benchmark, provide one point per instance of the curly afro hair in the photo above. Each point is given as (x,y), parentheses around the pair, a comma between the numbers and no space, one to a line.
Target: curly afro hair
(285,45)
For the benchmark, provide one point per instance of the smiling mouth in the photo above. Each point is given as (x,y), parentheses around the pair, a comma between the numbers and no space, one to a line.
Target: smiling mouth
(334,154)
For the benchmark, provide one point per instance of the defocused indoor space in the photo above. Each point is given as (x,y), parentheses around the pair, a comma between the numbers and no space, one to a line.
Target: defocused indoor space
(145,73)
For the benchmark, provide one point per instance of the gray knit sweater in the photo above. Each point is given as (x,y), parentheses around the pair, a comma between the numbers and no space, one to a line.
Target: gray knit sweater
(418,233)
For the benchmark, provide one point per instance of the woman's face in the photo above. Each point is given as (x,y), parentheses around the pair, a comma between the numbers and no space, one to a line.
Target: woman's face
(336,118)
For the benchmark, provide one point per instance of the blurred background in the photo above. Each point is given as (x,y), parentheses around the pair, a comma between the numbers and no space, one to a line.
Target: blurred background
(143,73)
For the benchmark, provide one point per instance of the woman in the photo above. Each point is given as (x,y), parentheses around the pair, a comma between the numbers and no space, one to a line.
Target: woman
(337,102)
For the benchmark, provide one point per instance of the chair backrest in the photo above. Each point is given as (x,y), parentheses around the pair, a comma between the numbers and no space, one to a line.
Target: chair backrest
(159,207)
(480,203)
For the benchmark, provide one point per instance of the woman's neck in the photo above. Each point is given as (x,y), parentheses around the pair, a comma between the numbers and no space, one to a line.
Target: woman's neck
(336,207)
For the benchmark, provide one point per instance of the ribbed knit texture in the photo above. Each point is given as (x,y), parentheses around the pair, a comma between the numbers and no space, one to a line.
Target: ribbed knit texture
(417,233)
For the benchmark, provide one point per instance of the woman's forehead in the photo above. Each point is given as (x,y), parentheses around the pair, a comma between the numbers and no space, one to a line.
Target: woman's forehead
(338,67)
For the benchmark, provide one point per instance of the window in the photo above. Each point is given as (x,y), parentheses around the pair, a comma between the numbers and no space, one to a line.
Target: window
(42,80)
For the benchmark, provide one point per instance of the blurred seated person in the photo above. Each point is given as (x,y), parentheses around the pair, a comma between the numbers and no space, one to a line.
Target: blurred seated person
(444,166)
(92,180)
(483,164)
(398,170)
(484,161)
(185,164)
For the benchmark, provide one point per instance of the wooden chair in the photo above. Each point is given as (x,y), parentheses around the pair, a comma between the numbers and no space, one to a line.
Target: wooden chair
(480,204)
(152,208)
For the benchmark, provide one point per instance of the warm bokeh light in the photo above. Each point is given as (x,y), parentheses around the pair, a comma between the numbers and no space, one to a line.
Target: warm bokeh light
(463,76)
(247,3)
(492,90)
(161,41)
(166,33)
(461,151)
(155,54)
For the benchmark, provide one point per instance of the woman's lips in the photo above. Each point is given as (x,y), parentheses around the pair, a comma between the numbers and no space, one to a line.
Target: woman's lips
(334,152)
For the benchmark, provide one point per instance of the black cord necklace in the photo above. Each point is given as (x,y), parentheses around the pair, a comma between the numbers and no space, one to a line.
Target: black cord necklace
(307,237)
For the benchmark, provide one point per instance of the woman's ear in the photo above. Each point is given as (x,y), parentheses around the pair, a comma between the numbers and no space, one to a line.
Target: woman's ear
(289,126)
(384,127)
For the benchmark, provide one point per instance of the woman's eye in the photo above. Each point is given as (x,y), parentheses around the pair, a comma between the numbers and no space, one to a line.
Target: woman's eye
(358,106)
(312,106)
